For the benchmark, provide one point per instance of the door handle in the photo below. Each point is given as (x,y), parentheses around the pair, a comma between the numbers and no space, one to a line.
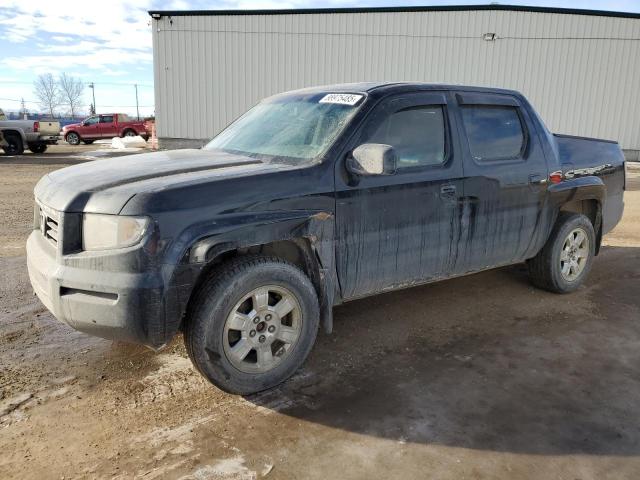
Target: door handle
(537,179)
(448,191)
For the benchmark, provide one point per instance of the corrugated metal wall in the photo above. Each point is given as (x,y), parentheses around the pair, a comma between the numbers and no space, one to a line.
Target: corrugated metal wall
(581,72)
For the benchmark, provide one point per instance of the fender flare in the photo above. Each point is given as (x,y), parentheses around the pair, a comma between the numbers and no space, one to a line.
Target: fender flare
(578,189)
(19,131)
(72,131)
(311,231)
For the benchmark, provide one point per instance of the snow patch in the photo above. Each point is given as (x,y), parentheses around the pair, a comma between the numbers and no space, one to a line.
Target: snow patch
(128,142)
(230,468)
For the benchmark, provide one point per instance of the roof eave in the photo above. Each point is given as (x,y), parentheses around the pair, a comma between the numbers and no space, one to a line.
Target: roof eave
(434,8)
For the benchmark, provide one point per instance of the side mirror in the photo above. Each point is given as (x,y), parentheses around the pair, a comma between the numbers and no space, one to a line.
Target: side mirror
(372,159)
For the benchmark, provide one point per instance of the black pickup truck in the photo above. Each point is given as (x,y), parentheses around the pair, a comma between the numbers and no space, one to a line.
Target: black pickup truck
(310,199)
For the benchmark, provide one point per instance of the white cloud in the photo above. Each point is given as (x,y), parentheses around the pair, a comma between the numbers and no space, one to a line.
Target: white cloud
(61,39)
(100,60)
(78,34)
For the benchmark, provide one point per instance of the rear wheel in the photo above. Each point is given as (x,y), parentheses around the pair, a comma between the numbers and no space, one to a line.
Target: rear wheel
(73,138)
(252,324)
(129,133)
(37,147)
(565,260)
(14,144)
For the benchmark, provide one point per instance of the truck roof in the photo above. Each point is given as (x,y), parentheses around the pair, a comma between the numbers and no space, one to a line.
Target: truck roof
(399,87)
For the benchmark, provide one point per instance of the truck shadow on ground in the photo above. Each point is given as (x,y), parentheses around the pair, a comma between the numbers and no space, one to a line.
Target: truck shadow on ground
(486,362)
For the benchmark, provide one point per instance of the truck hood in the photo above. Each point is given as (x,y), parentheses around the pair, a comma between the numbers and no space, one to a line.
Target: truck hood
(105,186)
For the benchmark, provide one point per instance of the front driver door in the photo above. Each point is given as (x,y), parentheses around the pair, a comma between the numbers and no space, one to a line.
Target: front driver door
(397,230)
(89,128)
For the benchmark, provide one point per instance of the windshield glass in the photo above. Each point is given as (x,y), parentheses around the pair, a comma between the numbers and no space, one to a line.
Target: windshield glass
(293,126)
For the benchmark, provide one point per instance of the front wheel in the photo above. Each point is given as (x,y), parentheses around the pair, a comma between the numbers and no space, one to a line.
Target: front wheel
(565,260)
(73,138)
(252,324)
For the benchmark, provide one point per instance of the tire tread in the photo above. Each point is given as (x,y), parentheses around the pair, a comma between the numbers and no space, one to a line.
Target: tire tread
(216,280)
(541,266)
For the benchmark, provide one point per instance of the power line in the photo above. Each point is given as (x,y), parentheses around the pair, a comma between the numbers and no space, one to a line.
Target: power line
(123,84)
(127,106)
(119,84)
(19,100)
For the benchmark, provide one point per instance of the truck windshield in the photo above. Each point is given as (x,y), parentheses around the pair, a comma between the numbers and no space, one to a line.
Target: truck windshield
(294,127)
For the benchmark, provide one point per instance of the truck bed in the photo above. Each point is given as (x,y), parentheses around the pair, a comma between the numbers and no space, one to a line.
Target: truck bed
(583,157)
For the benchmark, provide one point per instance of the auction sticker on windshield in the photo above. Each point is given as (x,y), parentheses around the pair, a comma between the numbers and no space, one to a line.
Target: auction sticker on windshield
(341,98)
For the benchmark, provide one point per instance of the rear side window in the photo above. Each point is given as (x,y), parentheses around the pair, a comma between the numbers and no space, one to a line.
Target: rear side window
(417,134)
(106,119)
(494,132)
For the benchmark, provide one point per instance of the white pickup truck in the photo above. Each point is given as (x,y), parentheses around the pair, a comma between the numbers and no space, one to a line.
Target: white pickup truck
(34,135)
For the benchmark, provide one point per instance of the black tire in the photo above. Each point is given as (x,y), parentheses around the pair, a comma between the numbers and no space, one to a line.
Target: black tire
(88,142)
(15,145)
(205,323)
(37,147)
(129,133)
(73,138)
(545,269)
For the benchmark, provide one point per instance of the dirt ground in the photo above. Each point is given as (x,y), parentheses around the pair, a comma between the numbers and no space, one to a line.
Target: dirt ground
(472,378)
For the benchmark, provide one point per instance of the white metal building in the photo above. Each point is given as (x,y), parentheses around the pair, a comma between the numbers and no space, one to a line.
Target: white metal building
(579,68)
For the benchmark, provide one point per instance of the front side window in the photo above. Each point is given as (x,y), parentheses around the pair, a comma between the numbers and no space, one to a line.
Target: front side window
(295,127)
(91,121)
(417,134)
(494,132)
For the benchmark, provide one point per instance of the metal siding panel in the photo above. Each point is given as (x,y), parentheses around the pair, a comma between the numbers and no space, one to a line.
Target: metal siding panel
(210,69)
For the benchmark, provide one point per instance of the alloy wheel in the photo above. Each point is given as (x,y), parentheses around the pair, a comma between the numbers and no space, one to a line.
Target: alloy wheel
(574,255)
(262,329)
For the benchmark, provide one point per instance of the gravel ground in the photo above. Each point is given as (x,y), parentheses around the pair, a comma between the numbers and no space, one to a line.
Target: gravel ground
(476,377)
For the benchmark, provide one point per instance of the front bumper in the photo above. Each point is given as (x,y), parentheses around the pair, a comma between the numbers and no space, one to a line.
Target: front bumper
(115,305)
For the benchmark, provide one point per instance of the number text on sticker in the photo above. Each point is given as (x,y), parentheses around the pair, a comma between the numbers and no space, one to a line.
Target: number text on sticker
(341,98)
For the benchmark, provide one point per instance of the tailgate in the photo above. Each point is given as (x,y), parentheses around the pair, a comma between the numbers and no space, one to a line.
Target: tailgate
(49,128)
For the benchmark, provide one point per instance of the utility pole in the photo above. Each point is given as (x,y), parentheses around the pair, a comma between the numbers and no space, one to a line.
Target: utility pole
(137,109)
(24,109)
(93,91)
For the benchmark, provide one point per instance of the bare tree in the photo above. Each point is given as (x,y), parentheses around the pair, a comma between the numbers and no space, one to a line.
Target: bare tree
(72,91)
(47,91)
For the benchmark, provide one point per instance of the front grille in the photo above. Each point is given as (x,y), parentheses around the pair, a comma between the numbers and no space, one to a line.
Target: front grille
(49,224)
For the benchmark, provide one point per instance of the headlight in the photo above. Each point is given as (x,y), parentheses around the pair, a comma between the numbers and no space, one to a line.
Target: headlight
(102,232)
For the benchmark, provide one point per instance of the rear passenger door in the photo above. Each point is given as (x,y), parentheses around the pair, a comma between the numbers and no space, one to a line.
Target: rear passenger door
(395,230)
(505,179)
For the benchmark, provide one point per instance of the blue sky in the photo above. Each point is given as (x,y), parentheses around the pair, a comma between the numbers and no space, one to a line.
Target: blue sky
(109,42)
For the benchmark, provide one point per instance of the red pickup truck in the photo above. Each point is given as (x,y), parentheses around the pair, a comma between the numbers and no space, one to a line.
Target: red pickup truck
(106,125)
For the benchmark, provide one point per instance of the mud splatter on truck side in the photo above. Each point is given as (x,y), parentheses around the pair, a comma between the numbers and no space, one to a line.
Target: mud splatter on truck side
(314,198)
